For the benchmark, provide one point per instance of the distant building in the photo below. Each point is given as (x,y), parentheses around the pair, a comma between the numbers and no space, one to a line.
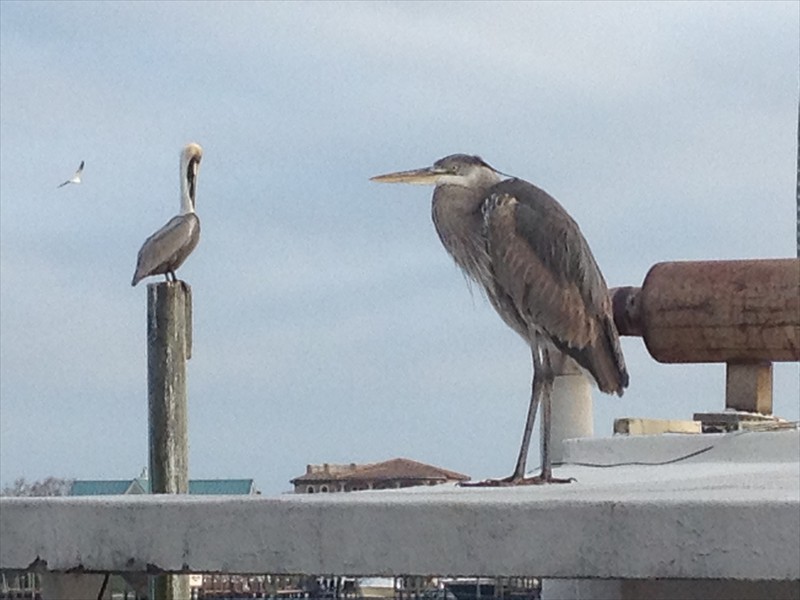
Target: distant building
(391,474)
(108,487)
(141,485)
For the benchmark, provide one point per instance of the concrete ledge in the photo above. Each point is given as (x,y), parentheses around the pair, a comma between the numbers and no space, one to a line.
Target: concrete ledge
(700,520)
(736,447)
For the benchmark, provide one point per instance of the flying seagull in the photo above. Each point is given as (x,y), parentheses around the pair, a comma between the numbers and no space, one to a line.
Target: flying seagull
(167,248)
(75,178)
(529,255)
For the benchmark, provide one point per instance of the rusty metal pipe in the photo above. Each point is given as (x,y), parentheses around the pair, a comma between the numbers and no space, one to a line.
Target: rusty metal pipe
(715,311)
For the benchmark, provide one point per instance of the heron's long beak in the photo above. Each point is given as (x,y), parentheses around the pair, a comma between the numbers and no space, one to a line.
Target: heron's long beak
(426,176)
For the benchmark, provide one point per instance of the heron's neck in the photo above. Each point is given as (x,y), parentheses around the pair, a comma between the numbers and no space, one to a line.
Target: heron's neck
(458,200)
(456,212)
(456,203)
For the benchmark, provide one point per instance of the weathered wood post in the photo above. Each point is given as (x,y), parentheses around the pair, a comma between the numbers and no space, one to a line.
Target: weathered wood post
(169,340)
(744,313)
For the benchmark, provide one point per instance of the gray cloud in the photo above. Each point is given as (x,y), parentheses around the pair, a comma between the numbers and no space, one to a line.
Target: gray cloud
(330,325)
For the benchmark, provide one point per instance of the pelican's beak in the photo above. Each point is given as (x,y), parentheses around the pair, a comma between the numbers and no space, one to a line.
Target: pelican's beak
(426,176)
(193,154)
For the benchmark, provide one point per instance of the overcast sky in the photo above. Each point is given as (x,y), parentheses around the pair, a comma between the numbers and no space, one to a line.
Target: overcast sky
(329,323)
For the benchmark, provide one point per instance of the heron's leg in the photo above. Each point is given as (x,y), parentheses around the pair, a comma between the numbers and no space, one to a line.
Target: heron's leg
(541,388)
(549,378)
(518,476)
(547,393)
(536,393)
(543,380)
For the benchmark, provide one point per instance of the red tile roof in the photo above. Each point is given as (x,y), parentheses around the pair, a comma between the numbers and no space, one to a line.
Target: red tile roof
(397,468)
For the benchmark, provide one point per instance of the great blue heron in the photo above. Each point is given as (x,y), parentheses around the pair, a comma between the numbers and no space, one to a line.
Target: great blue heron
(75,178)
(538,272)
(164,251)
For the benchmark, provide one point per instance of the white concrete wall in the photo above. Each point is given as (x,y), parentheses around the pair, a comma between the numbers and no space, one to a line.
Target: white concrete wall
(710,589)
(731,513)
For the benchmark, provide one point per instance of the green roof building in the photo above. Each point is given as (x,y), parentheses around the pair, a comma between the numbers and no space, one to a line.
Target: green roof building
(141,485)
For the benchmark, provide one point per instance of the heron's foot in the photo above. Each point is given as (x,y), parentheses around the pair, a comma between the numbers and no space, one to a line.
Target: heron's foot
(515,480)
(540,480)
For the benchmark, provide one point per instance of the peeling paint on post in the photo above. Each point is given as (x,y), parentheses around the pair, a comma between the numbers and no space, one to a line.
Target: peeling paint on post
(169,321)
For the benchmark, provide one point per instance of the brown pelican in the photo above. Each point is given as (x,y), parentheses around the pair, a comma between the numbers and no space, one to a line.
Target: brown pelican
(538,272)
(167,248)
(75,178)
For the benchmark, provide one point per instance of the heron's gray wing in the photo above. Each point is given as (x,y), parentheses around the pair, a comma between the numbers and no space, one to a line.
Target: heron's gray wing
(543,264)
(168,247)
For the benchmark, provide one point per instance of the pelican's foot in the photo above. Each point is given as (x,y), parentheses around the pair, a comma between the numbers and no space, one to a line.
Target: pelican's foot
(513,480)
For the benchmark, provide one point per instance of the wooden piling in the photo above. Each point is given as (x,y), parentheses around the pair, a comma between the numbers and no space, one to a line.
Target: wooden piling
(715,311)
(748,387)
(168,348)
(745,313)
(167,309)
